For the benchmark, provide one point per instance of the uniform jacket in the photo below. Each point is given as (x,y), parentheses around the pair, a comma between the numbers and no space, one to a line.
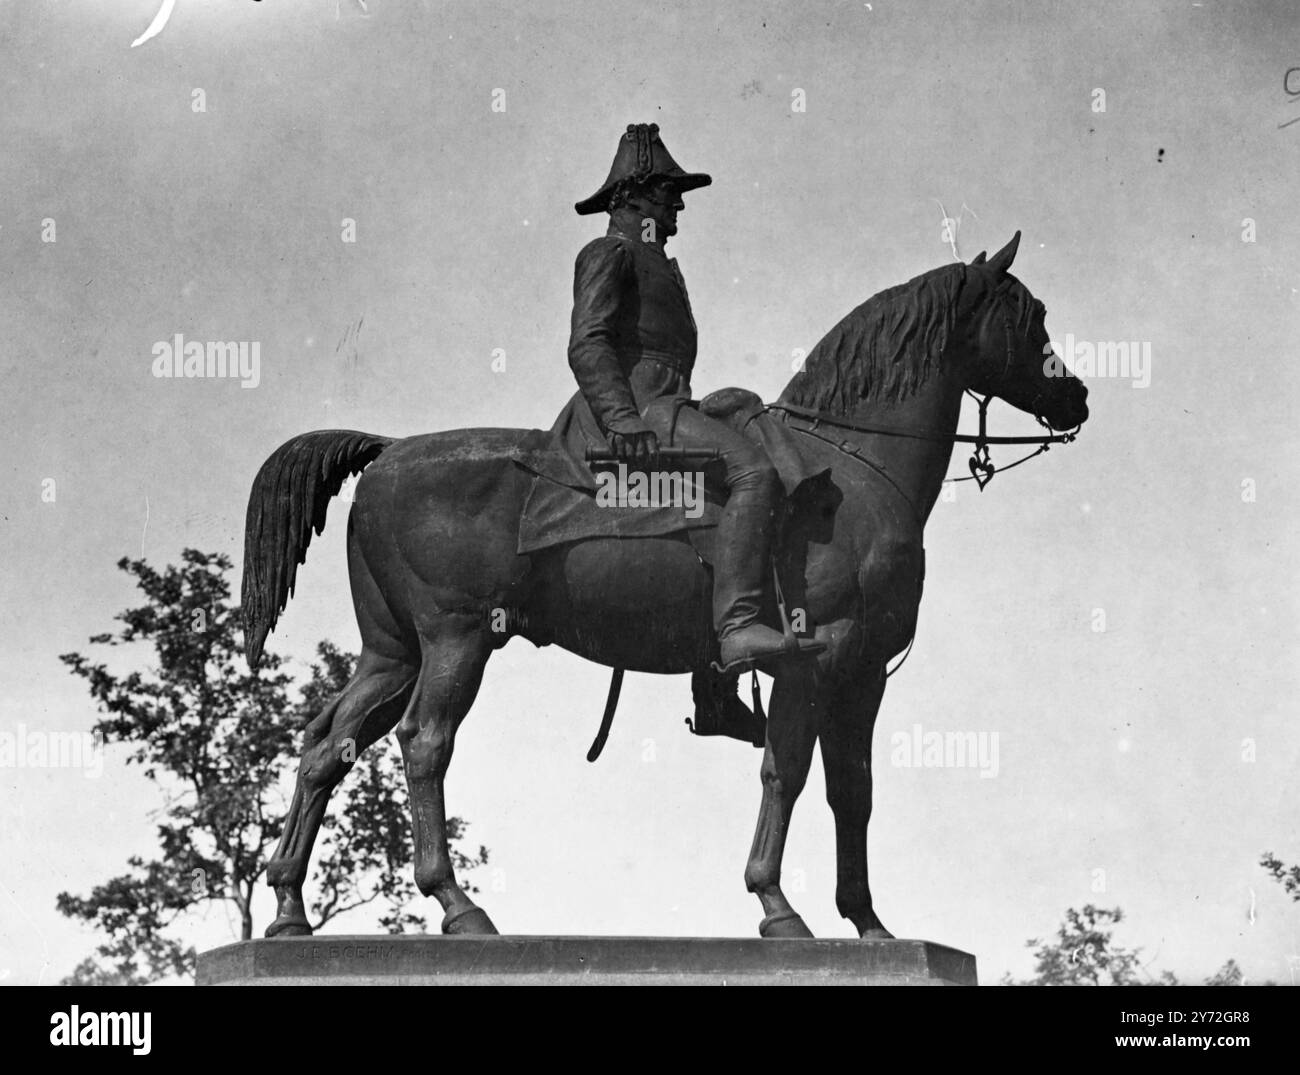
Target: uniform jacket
(633,337)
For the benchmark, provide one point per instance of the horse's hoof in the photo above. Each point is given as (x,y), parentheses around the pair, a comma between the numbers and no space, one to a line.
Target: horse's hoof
(471,921)
(289,927)
(783,924)
(877,934)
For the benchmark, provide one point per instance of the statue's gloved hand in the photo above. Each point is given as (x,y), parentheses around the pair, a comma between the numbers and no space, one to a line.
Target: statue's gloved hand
(637,449)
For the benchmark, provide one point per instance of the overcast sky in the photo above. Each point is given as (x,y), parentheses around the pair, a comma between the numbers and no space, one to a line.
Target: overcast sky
(1119,750)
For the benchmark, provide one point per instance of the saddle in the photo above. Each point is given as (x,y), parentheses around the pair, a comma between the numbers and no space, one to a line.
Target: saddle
(564,506)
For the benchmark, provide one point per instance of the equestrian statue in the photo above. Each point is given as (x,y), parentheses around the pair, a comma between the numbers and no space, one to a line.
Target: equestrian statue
(807,565)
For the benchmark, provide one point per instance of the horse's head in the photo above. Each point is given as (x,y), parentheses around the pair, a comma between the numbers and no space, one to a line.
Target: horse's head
(1003,325)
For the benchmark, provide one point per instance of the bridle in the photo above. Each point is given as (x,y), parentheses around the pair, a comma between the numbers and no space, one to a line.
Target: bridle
(980,463)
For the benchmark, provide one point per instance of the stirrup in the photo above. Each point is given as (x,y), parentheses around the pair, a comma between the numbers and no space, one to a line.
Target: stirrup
(785,646)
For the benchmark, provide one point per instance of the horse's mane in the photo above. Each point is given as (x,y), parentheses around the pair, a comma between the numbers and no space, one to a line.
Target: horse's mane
(885,349)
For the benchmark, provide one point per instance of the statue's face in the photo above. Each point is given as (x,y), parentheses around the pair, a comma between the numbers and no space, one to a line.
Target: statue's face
(660,202)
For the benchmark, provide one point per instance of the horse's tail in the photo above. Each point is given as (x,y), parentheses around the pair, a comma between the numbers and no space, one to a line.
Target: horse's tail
(289,497)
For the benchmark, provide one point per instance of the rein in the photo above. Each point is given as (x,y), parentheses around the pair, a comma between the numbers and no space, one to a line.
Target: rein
(982,468)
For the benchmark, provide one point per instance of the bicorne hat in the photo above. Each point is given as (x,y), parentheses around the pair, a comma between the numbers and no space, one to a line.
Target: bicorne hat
(641,156)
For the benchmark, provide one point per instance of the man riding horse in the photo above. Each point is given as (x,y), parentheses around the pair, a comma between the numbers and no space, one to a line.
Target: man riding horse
(632,349)
(434,533)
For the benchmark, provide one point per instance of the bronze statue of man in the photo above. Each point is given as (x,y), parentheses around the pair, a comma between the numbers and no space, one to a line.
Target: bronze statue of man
(632,349)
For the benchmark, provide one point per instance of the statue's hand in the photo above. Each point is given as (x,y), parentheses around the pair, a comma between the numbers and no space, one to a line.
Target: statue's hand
(640,449)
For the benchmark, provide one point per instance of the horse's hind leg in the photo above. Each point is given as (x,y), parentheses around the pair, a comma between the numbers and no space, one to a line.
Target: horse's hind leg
(366,709)
(454,651)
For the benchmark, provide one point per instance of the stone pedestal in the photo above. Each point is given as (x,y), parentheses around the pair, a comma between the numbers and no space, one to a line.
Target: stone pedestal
(515,960)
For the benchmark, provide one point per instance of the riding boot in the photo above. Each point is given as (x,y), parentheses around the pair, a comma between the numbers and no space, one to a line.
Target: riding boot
(741,565)
(719,712)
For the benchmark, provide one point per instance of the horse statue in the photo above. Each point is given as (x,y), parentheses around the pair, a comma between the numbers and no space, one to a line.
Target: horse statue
(438,583)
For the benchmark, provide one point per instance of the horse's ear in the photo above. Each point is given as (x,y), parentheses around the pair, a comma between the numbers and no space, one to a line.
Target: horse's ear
(974,289)
(980,258)
(1001,261)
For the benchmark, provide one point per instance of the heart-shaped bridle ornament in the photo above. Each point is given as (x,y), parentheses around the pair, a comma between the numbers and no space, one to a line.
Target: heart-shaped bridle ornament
(981,466)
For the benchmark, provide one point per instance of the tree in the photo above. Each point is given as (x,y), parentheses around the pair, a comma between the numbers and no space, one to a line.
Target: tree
(221,743)
(1085,954)
(1287,876)
(1228,974)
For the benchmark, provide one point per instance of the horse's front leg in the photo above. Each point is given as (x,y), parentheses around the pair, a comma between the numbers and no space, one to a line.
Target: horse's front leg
(846,734)
(791,732)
